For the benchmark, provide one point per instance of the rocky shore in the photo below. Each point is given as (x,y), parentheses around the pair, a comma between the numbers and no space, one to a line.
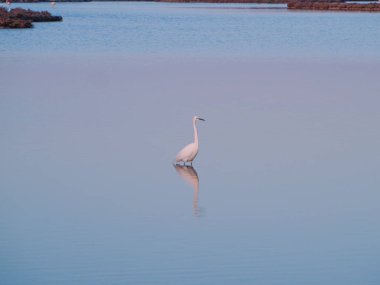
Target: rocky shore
(334,6)
(21,18)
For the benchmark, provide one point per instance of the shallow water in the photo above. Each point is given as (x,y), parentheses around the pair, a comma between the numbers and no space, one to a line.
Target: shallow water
(288,172)
(285,187)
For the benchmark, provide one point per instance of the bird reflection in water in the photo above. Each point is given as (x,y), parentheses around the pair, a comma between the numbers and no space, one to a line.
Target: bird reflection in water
(190,175)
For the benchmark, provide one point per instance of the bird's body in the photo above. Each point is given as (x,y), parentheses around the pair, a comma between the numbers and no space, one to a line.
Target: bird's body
(189,152)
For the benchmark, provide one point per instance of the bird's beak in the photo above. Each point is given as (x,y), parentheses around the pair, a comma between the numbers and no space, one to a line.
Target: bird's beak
(201,119)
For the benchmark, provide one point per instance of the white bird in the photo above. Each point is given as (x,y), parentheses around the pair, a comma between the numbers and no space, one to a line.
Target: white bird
(189,152)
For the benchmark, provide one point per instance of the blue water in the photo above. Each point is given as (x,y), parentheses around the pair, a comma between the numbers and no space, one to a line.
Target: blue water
(284,191)
(201,29)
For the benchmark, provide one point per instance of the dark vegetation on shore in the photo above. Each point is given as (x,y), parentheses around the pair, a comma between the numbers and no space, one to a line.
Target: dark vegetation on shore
(21,18)
(333,6)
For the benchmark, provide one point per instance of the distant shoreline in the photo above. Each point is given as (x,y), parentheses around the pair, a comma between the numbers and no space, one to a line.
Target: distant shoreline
(307,5)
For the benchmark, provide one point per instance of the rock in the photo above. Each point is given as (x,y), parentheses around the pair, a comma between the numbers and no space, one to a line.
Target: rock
(333,6)
(21,18)
(14,23)
(34,16)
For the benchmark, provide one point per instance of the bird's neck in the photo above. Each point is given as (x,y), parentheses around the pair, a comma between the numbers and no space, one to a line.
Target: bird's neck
(195,133)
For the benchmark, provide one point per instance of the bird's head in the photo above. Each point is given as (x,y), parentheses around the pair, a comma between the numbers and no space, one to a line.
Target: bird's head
(196,118)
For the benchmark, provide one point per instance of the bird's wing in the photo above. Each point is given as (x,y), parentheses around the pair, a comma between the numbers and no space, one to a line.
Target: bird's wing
(185,152)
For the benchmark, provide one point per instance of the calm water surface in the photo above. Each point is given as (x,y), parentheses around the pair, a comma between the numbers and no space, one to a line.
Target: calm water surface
(93,110)
(198,29)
